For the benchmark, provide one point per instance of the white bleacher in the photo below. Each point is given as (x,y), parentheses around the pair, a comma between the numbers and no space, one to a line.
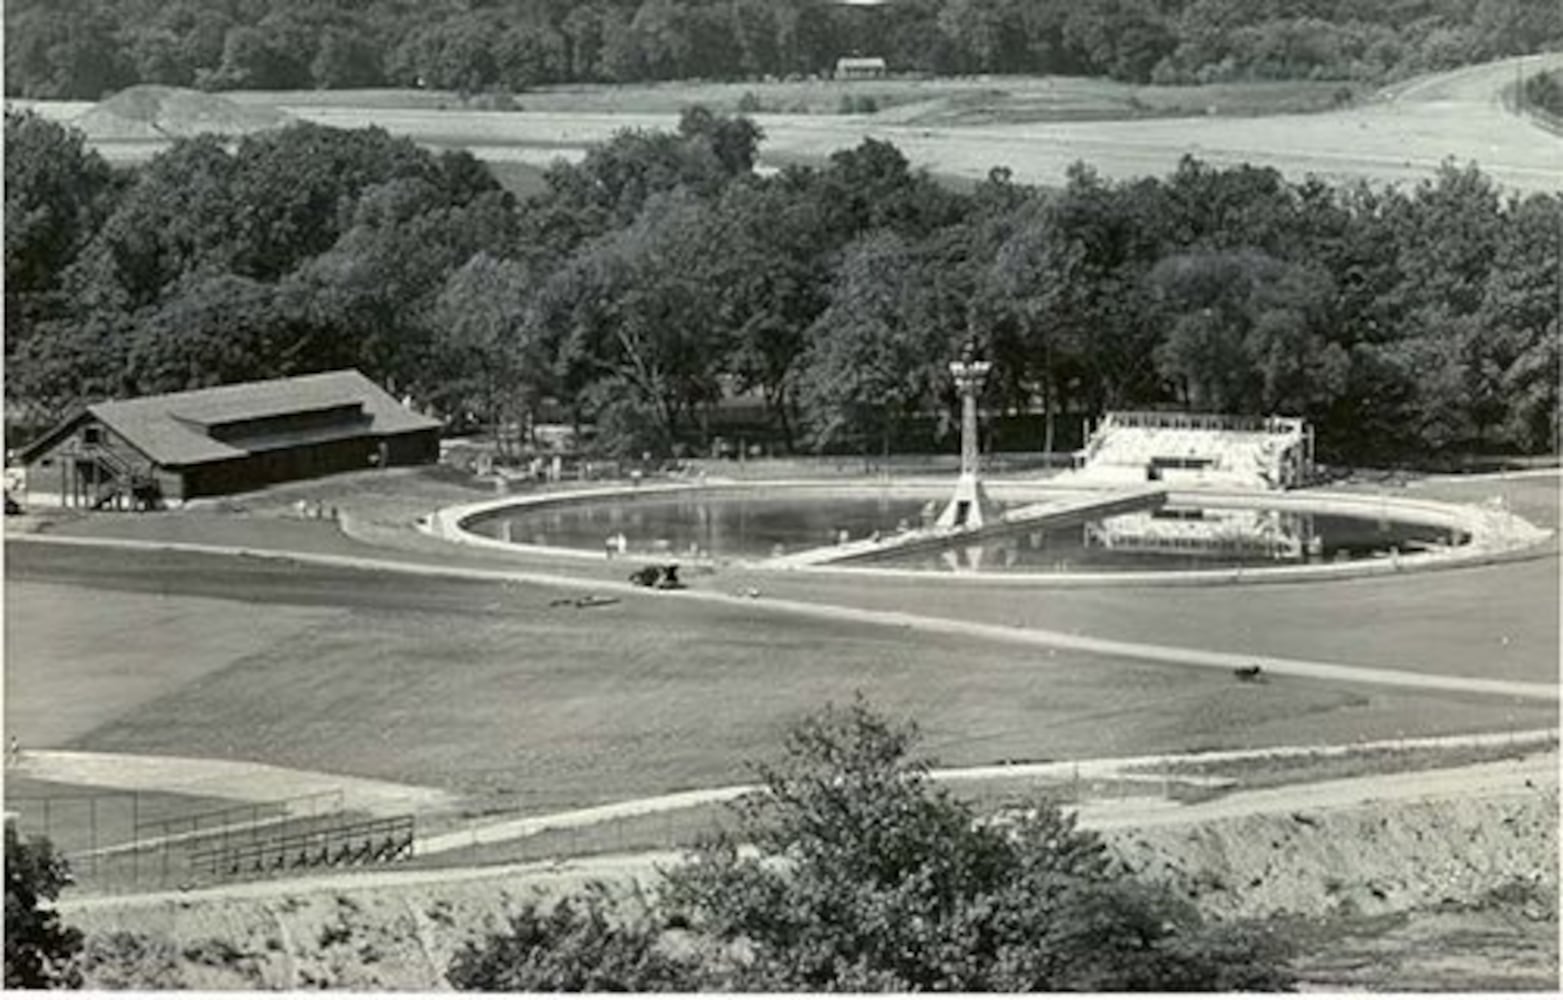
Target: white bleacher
(1204,533)
(1197,449)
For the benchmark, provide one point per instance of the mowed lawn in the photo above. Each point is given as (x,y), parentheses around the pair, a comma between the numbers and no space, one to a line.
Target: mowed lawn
(76,658)
(488,689)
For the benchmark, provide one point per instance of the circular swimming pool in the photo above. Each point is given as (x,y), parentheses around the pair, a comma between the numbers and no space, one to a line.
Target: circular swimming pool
(767,522)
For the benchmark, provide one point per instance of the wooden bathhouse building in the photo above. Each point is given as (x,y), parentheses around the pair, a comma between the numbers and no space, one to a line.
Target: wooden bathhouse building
(136,453)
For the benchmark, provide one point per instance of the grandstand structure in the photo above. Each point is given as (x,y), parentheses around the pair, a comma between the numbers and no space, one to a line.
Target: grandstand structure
(1222,533)
(1197,449)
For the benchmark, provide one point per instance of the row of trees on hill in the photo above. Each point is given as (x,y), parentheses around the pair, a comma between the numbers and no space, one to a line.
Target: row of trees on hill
(662,275)
(86,48)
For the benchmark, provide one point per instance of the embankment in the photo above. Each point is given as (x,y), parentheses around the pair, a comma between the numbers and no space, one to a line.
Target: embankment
(399,931)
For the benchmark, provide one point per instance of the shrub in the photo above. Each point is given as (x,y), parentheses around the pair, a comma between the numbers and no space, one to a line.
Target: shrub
(581,944)
(40,952)
(864,877)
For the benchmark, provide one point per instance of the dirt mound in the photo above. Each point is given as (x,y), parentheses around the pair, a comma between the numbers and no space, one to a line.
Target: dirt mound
(1374,859)
(150,111)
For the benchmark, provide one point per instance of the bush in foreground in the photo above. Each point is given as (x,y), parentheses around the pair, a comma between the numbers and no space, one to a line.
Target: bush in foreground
(40,952)
(853,873)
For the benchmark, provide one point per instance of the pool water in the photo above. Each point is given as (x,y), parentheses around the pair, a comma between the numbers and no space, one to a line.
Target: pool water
(731,524)
(756,524)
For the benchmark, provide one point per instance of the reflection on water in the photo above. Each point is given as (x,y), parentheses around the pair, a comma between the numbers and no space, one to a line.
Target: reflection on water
(731,524)
(1178,538)
(736,524)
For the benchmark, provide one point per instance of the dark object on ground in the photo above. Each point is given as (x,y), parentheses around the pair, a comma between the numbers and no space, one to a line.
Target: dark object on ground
(660,577)
(1248,673)
(11,506)
(586,601)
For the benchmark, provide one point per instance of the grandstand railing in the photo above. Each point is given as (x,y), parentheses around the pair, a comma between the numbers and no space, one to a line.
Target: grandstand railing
(1168,420)
(251,815)
(367,842)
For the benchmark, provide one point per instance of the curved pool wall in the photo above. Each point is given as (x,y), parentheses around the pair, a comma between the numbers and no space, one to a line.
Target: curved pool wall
(1494,534)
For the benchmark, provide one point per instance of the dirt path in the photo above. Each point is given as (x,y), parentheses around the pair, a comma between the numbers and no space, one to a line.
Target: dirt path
(1086,770)
(228,779)
(1480,781)
(1476,781)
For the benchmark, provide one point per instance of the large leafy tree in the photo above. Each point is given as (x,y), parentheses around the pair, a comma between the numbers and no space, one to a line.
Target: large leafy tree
(635,316)
(63,49)
(851,872)
(216,329)
(607,190)
(1243,333)
(875,355)
(1521,313)
(866,877)
(57,193)
(40,951)
(368,300)
(773,276)
(487,358)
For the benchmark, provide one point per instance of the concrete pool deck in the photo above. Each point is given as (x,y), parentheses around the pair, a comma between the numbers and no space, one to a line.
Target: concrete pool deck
(1495,534)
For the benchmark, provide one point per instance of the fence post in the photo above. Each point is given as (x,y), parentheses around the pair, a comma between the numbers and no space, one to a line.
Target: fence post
(135,838)
(92,832)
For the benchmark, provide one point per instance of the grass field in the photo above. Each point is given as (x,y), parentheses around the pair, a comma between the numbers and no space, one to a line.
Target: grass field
(492,692)
(487,690)
(963,128)
(1038,128)
(949,100)
(63,682)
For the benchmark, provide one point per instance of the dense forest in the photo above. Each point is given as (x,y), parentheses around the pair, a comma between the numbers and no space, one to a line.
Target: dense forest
(662,275)
(87,48)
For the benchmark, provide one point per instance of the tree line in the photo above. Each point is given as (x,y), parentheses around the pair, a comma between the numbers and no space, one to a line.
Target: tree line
(85,49)
(662,276)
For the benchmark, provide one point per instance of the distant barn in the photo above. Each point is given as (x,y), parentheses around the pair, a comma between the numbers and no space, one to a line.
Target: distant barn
(860,68)
(134,453)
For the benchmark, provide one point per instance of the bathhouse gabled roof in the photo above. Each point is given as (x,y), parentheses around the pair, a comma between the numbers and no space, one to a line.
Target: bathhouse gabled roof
(232,421)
